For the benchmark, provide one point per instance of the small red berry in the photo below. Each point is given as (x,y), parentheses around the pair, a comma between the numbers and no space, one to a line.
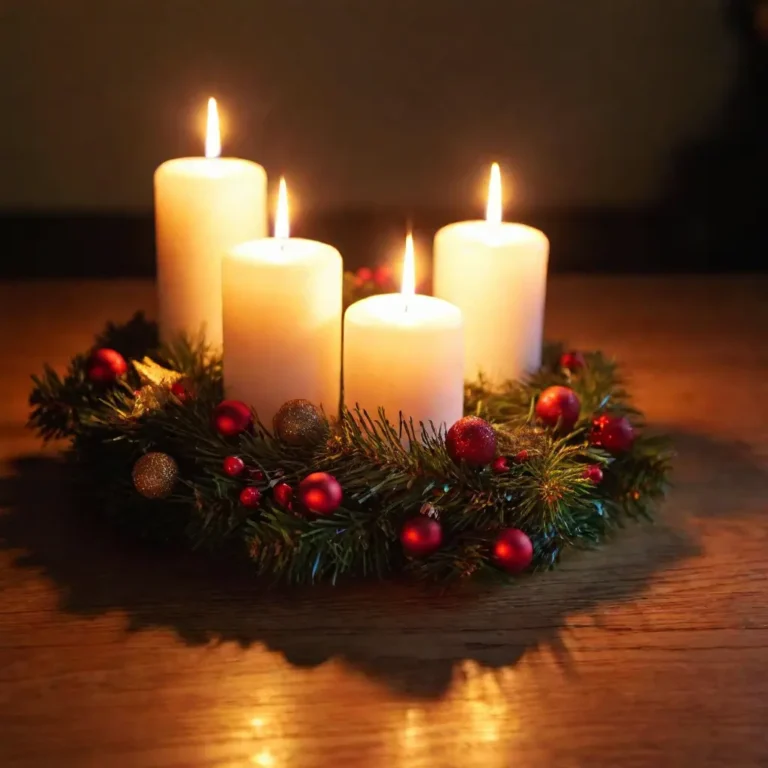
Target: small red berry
(572,361)
(593,473)
(256,475)
(500,465)
(521,457)
(233,466)
(182,390)
(382,276)
(362,276)
(283,494)
(250,497)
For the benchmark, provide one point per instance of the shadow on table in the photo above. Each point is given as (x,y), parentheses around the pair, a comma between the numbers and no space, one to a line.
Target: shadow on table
(411,637)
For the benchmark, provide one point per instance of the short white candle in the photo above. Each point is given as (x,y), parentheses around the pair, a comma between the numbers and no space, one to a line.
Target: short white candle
(404,353)
(282,301)
(203,206)
(496,273)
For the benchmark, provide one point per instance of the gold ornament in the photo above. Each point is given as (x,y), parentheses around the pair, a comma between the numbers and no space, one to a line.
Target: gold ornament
(298,422)
(151,372)
(156,386)
(149,398)
(155,474)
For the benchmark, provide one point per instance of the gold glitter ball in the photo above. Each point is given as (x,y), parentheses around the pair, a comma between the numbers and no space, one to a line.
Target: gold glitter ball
(298,422)
(526,438)
(155,474)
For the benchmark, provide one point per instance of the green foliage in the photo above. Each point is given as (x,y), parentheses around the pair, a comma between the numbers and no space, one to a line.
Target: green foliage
(384,482)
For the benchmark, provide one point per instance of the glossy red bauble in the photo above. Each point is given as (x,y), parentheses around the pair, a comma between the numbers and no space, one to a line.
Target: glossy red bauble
(421,536)
(521,457)
(472,440)
(250,497)
(383,277)
(231,417)
(572,361)
(593,473)
(362,276)
(558,406)
(614,433)
(512,550)
(106,366)
(233,466)
(320,493)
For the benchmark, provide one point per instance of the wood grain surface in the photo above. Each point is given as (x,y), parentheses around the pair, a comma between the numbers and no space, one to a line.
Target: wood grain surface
(651,651)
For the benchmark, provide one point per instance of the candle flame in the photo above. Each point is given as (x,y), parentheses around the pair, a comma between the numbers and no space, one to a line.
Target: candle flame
(493,212)
(282,228)
(408,288)
(213,134)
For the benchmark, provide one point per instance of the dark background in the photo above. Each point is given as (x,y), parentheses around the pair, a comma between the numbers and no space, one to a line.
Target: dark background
(632,131)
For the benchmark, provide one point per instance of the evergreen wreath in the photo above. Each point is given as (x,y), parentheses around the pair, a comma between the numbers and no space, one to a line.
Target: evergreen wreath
(537,467)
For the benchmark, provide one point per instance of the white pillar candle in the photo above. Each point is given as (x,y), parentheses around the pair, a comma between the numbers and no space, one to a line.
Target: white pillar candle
(496,273)
(282,301)
(203,206)
(404,353)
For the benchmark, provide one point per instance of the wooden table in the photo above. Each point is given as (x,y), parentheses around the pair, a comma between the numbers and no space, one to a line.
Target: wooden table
(652,651)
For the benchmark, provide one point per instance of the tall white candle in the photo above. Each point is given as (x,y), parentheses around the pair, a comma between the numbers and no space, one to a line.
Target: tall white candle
(282,301)
(203,206)
(496,273)
(404,353)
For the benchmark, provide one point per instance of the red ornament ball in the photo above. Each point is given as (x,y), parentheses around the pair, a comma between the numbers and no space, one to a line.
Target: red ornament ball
(183,390)
(500,465)
(106,366)
(320,493)
(283,494)
(558,406)
(362,276)
(233,466)
(232,417)
(383,277)
(521,457)
(572,361)
(421,536)
(250,497)
(512,550)
(614,433)
(593,473)
(473,440)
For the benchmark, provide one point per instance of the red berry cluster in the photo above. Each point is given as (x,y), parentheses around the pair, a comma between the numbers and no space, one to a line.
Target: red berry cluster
(250,496)
(471,440)
(318,493)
